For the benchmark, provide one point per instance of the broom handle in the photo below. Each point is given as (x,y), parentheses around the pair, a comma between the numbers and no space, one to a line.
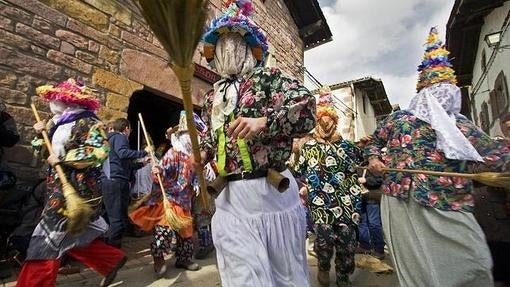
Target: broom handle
(429,172)
(185,75)
(153,158)
(58,168)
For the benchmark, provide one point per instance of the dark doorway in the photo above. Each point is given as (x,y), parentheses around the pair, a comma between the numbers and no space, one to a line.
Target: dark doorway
(158,114)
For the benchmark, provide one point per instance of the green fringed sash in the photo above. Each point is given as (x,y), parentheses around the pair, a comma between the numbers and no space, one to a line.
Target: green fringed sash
(222,156)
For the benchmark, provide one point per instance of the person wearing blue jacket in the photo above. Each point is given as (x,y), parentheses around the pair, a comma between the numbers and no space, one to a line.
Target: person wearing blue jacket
(116,172)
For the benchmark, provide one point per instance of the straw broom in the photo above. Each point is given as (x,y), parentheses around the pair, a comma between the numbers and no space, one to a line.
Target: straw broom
(78,212)
(178,25)
(495,179)
(174,221)
(138,202)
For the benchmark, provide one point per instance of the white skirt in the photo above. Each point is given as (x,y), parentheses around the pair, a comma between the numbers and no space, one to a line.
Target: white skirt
(435,248)
(259,235)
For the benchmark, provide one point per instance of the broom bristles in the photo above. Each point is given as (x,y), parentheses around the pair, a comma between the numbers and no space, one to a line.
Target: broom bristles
(495,179)
(178,25)
(78,211)
(138,202)
(174,221)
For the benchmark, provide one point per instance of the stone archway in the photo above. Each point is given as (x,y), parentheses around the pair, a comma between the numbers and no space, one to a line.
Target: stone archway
(141,71)
(156,74)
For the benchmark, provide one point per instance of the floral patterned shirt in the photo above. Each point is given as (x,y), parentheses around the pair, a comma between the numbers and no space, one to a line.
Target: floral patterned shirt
(411,145)
(290,111)
(178,178)
(333,188)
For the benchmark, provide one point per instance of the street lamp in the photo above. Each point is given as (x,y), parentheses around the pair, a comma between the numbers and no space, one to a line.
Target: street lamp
(493,39)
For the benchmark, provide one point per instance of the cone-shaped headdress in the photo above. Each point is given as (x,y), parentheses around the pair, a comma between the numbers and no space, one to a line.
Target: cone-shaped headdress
(435,66)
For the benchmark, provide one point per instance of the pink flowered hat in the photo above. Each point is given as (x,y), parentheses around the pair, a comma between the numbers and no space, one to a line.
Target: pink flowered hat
(70,92)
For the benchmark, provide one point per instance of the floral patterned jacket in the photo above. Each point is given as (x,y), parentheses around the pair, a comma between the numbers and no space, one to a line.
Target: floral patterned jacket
(85,152)
(178,178)
(334,193)
(411,145)
(290,111)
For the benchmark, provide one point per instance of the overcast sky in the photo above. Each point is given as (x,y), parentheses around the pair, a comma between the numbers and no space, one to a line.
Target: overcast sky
(378,38)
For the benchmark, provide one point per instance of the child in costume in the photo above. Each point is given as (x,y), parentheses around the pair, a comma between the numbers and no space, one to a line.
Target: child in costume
(79,143)
(428,220)
(328,164)
(253,114)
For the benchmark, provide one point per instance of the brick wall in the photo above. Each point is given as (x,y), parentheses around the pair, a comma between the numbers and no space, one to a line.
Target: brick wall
(109,46)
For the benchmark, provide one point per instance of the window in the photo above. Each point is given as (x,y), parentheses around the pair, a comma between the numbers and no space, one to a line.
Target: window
(484,117)
(271,60)
(494,104)
(364,104)
(483,62)
(501,89)
(499,97)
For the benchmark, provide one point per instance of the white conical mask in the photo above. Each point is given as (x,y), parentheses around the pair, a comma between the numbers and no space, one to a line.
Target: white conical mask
(233,57)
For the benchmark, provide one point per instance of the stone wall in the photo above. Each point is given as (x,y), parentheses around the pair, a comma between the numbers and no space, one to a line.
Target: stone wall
(108,45)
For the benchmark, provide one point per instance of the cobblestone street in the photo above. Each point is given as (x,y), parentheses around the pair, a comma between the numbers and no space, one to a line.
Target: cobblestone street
(138,272)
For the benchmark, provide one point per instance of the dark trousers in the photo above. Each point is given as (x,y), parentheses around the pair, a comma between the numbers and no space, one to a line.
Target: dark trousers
(116,202)
(370,228)
(500,252)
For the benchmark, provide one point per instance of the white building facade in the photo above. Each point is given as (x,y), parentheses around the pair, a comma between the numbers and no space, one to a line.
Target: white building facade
(491,72)
(479,39)
(360,105)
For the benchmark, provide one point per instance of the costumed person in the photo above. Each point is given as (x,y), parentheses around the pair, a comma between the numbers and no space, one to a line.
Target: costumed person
(492,211)
(80,147)
(427,220)
(179,181)
(117,171)
(328,164)
(253,114)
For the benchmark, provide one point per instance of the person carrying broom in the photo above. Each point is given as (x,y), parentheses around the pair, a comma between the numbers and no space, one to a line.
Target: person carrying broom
(179,181)
(71,223)
(253,114)
(427,219)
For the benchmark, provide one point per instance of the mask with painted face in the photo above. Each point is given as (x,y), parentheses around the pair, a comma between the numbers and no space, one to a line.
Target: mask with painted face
(325,128)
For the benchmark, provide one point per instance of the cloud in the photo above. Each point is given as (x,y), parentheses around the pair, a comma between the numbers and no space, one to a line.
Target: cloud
(382,39)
